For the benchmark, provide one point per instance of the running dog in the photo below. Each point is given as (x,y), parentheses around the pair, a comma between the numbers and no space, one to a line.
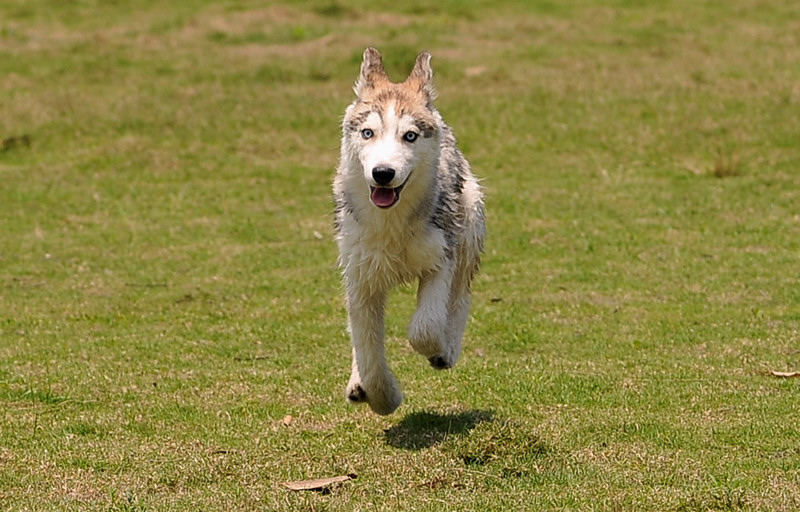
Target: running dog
(407,207)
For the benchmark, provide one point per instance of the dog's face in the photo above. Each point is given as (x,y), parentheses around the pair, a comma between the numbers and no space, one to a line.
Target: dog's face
(391,128)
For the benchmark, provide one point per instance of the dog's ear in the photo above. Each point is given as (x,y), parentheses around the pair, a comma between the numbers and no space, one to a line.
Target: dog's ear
(421,76)
(372,72)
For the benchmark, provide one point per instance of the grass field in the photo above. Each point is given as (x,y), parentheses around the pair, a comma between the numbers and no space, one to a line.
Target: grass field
(172,333)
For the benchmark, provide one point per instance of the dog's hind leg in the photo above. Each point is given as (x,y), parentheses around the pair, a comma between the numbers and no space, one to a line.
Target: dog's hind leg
(458,313)
(427,330)
(460,298)
(371,379)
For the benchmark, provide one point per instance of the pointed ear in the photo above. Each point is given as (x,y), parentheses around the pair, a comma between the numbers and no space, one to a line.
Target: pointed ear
(421,76)
(372,72)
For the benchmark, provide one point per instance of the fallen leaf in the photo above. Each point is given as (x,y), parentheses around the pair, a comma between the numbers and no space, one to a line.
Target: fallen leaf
(785,375)
(287,420)
(320,484)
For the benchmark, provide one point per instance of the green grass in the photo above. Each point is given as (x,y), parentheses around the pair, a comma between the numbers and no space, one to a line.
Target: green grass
(169,294)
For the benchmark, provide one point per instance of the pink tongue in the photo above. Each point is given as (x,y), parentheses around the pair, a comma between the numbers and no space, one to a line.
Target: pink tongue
(383,197)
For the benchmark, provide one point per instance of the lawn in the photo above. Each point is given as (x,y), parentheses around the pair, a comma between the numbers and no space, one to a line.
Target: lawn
(172,331)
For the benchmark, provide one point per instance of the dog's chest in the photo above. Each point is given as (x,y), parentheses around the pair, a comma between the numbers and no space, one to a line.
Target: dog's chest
(393,253)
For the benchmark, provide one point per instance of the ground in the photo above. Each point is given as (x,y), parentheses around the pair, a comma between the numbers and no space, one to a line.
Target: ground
(172,332)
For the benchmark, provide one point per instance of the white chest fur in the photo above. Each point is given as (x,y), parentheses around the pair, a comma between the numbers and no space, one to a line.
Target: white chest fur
(385,251)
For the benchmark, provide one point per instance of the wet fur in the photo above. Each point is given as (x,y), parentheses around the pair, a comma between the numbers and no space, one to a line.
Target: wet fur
(433,233)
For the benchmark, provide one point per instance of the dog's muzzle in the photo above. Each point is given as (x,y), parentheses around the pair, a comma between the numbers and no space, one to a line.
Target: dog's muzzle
(381,195)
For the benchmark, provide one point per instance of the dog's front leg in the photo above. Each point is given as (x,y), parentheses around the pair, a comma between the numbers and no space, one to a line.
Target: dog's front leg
(427,331)
(371,380)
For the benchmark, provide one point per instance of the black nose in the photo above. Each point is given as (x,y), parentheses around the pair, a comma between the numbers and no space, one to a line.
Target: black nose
(383,175)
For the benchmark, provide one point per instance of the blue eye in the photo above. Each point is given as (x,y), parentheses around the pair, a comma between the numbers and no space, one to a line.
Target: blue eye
(410,136)
(367,133)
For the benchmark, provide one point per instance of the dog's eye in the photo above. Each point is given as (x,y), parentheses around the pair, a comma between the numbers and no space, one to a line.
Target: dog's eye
(410,136)
(366,133)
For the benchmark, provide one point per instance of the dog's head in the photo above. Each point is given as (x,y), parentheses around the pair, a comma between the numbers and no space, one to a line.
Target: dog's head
(392,128)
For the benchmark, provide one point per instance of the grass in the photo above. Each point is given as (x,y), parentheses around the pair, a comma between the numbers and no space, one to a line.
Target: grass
(169,295)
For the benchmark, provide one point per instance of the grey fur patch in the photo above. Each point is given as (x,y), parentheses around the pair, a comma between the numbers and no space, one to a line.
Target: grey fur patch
(449,213)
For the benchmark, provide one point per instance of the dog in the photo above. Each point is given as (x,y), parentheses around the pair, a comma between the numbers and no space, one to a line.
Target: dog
(407,207)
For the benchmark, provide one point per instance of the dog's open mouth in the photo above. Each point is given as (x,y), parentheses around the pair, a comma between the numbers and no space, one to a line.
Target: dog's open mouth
(384,197)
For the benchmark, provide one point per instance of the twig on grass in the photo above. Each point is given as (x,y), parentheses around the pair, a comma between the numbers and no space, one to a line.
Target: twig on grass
(784,375)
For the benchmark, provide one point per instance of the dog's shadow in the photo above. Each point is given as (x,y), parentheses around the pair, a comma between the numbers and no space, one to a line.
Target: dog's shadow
(423,429)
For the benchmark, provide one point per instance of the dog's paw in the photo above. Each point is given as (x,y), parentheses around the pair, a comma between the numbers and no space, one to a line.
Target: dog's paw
(356,394)
(382,398)
(386,400)
(441,362)
(426,334)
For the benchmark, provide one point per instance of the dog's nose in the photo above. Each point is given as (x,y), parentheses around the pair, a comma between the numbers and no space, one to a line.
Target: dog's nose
(383,175)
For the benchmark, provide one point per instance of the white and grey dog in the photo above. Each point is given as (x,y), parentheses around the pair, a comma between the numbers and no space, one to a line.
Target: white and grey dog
(407,207)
